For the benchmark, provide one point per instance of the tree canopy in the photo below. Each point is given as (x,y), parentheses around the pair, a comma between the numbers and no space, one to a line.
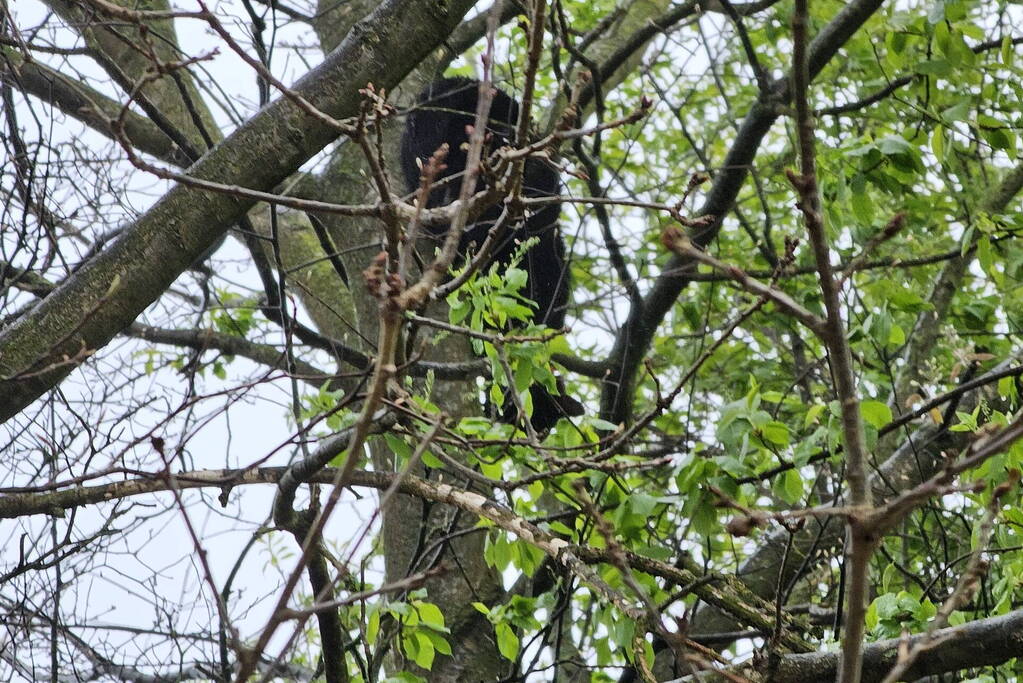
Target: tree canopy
(256,425)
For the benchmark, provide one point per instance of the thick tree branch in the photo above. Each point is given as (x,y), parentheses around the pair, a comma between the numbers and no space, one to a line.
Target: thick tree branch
(985,642)
(91,107)
(102,298)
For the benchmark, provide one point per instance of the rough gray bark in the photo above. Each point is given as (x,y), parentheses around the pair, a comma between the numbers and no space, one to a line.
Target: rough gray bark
(984,642)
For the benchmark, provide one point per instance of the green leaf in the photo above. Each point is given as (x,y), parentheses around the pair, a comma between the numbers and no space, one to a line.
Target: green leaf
(498,553)
(896,336)
(400,609)
(985,256)
(872,618)
(895,41)
(440,643)
(642,504)
(516,278)
(789,487)
(862,204)
(526,557)
(494,470)
(432,461)
(373,627)
(507,641)
(410,646)
(875,413)
(886,606)
(425,651)
(957,112)
(458,308)
(560,528)
(703,516)
(776,433)
(1007,388)
(559,344)
(601,425)
(958,51)
(523,375)
(894,144)
(398,446)
(812,414)
(938,143)
(431,615)
(934,67)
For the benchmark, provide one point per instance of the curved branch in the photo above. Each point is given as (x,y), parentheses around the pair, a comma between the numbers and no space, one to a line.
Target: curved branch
(203,340)
(87,105)
(635,337)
